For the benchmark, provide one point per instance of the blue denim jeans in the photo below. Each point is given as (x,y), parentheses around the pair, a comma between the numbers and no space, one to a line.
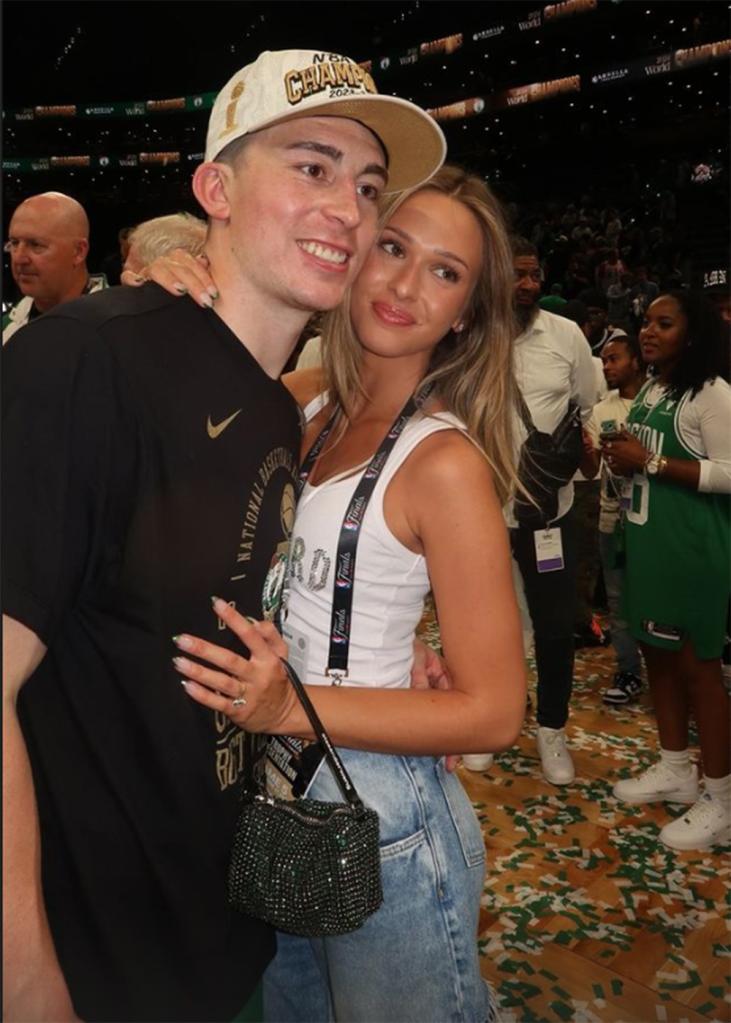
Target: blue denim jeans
(416,958)
(625,647)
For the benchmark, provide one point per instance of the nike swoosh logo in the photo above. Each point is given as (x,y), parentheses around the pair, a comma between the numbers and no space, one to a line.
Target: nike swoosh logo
(216,431)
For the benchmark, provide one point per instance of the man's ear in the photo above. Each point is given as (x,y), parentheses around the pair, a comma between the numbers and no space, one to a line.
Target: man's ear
(81,250)
(211,183)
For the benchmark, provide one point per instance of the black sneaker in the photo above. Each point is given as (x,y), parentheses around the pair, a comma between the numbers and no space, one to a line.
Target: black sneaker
(627,687)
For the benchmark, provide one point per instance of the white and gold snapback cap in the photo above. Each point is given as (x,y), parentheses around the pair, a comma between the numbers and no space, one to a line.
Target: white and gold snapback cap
(282,85)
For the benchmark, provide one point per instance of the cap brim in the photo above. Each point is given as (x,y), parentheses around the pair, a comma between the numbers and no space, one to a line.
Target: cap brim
(414,141)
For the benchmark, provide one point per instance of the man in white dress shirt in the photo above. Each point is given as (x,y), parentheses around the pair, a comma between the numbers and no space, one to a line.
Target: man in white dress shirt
(553,366)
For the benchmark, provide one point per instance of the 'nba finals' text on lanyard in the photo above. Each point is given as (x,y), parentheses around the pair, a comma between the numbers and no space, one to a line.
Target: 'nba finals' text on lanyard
(337,665)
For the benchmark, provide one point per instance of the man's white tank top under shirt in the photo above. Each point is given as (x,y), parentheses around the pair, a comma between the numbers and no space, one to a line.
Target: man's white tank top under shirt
(391,581)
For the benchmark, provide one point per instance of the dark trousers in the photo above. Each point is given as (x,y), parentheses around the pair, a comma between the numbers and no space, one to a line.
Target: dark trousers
(586,516)
(551,599)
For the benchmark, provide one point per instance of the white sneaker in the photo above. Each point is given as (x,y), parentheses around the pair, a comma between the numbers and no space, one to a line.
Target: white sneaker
(558,767)
(707,823)
(657,784)
(477,761)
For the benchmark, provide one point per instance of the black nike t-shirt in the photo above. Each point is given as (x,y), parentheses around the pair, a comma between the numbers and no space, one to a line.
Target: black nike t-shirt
(149,463)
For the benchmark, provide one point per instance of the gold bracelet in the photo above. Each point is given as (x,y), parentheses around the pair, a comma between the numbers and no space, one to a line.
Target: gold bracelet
(662,465)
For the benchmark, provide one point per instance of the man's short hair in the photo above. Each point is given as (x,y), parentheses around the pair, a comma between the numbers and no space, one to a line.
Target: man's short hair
(632,344)
(231,153)
(520,246)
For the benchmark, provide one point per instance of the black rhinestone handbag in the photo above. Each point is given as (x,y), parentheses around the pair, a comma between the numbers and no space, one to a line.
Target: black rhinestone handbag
(306,866)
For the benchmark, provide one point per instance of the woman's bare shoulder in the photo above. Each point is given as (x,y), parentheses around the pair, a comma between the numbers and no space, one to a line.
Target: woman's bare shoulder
(448,455)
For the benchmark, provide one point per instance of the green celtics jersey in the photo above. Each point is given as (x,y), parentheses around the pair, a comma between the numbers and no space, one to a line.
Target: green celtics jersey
(677,540)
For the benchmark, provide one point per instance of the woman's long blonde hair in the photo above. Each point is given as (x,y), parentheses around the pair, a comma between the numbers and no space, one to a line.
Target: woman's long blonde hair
(472,371)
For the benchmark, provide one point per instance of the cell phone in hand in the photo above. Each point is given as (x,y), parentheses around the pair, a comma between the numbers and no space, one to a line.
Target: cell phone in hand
(609,430)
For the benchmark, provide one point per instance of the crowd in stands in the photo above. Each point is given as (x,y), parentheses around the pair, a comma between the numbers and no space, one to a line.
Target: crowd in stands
(624,254)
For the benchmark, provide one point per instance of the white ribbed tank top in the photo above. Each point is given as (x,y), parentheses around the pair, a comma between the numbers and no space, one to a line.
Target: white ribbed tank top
(391,581)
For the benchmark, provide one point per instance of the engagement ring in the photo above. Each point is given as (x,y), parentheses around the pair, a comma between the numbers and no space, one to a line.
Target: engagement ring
(240,700)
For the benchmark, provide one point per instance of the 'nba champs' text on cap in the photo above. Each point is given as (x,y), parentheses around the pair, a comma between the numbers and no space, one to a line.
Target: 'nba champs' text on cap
(283,85)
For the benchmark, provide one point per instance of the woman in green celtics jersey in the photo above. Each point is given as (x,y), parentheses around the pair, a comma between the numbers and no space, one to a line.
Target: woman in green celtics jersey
(676,459)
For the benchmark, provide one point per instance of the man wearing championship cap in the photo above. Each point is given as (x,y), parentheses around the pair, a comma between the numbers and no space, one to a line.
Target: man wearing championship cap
(150,454)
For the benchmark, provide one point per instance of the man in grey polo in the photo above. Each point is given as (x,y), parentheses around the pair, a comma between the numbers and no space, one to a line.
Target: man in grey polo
(553,366)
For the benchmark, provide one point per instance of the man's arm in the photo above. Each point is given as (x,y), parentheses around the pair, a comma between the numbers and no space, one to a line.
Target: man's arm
(34,989)
(592,456)
(583,376)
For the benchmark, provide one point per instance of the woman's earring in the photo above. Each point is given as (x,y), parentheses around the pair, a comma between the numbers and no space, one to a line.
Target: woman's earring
(458,327)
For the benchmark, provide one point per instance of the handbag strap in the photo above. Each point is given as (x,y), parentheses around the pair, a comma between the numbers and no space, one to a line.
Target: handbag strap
(251,754)
(568,419)
(331,754)
(525,415)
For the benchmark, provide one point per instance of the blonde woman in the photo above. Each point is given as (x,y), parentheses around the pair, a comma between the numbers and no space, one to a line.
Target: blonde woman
(431,316)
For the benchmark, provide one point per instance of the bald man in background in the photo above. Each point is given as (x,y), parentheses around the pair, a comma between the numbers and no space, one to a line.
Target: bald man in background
(48,242)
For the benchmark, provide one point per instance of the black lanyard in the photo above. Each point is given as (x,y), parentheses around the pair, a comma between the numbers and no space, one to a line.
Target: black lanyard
(337,665)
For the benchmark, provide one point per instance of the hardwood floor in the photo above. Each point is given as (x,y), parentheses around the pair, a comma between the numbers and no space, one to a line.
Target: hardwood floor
(585,915)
